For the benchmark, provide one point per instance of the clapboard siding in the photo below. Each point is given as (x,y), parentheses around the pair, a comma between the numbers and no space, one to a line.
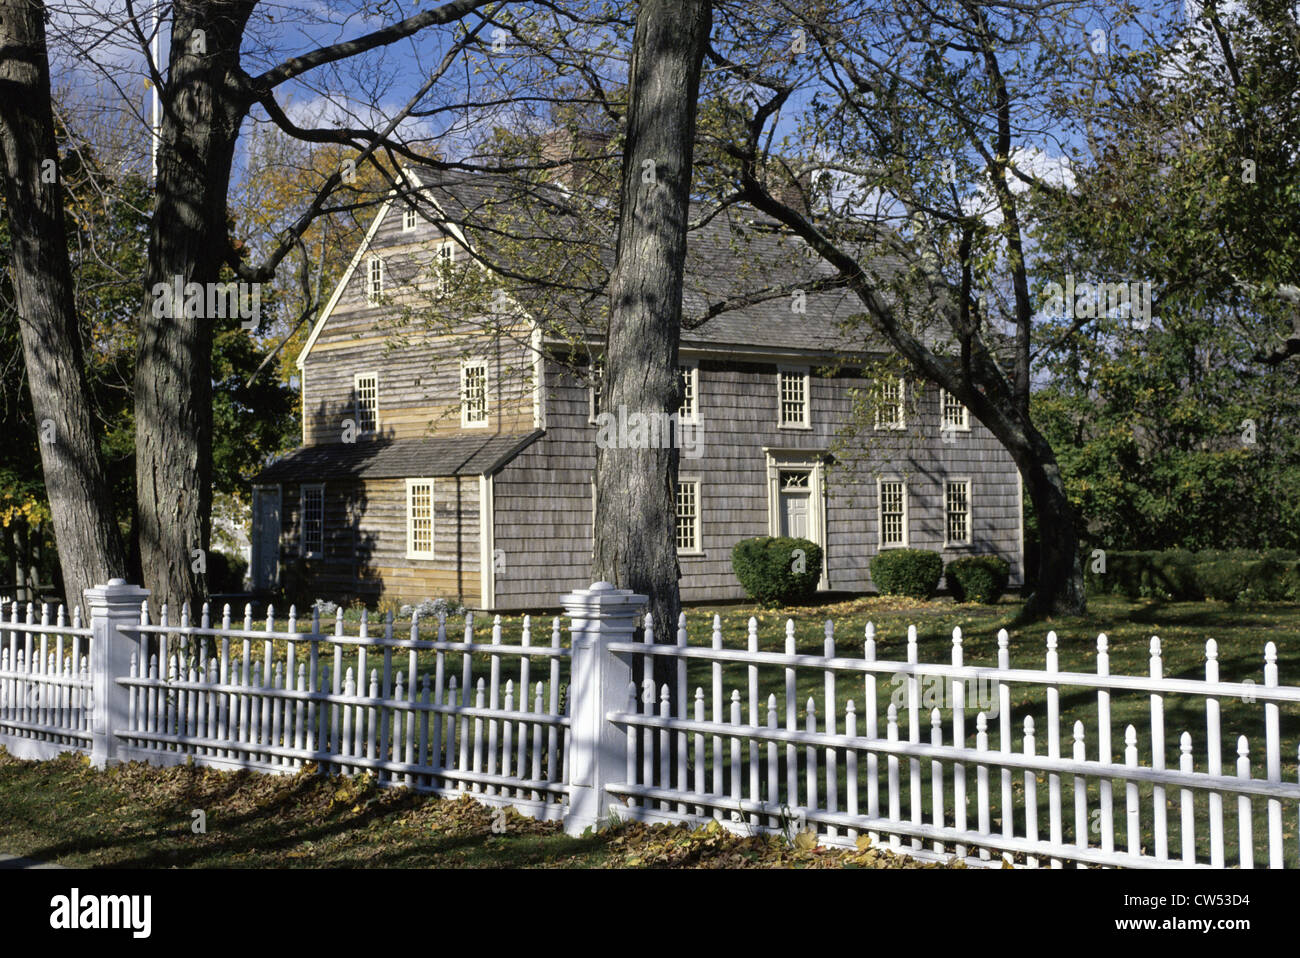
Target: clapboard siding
(418,371)
(543,498)
(365,541)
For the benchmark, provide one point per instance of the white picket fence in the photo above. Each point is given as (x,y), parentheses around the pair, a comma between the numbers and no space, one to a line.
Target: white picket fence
(782,741)
(336,700)
(46,694)
(758,763)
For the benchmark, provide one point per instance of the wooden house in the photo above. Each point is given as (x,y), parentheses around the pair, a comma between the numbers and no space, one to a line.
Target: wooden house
(460,464)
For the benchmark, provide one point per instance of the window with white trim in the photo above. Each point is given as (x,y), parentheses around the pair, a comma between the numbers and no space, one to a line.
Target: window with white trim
(473,393)
(688,515)
(374,278)
(952,414)
(409,219)
(956,507)
(442,269)
(889,412)
(893,513)
(597,383)
(313,520)
(419,518)
(691,390)
(365,387)
(793,390)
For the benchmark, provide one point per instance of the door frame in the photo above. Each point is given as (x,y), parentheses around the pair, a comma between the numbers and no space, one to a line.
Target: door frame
(255,545)
(814,461)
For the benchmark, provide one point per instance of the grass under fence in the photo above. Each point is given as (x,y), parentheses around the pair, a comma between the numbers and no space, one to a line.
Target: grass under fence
(137,816)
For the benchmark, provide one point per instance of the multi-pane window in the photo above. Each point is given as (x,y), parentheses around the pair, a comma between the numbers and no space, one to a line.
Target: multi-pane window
(366,388)
(473,393)
(408,219)
(956,505)
(374,279)
(597,383)
(313,520)
(419,518)
(952,414)
(793,386)
(893,513)
(889,414)
(688,515)
(442,267)
(690,379)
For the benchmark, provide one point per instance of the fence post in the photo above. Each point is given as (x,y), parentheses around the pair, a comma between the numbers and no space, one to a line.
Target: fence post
(113,605)
(597,685)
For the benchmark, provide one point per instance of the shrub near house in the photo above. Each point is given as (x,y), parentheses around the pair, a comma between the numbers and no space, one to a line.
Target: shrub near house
(910,572)
(777,570)
(980,579)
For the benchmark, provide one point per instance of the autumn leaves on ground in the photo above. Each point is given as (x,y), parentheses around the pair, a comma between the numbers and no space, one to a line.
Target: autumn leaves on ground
(133,816)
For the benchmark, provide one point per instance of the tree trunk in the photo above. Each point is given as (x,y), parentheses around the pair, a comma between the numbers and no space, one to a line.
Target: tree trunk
(635,539)
(203,106)
(1060,567)
(89,542)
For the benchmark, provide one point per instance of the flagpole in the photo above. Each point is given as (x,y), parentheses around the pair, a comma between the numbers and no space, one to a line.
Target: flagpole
(156,111)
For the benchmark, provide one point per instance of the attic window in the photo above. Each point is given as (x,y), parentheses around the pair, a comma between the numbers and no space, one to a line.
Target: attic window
(366,389)
(473,393)
(442,266)
(409,219)
(374,279)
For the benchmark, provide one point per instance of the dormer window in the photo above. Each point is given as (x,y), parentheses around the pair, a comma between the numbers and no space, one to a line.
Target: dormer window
(374,279)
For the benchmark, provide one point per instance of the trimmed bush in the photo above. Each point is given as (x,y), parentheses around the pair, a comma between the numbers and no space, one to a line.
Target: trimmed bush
(910,572)
(977,578)
(777,570)
(1183,576)
(1222,579)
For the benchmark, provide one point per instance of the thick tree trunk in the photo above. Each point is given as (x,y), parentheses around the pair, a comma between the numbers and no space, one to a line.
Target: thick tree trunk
(1060,567)
(635,545)
(203,107)
(89,543)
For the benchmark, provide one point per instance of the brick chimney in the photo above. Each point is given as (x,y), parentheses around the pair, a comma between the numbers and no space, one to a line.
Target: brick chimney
(576,148)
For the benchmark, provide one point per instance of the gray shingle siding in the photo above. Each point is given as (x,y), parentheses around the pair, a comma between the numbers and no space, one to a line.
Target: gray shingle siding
(543,497)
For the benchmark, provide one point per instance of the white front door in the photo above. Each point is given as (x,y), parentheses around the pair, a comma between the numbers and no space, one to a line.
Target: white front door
(796,496)
(794,514)
(266,537)
(796,504)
